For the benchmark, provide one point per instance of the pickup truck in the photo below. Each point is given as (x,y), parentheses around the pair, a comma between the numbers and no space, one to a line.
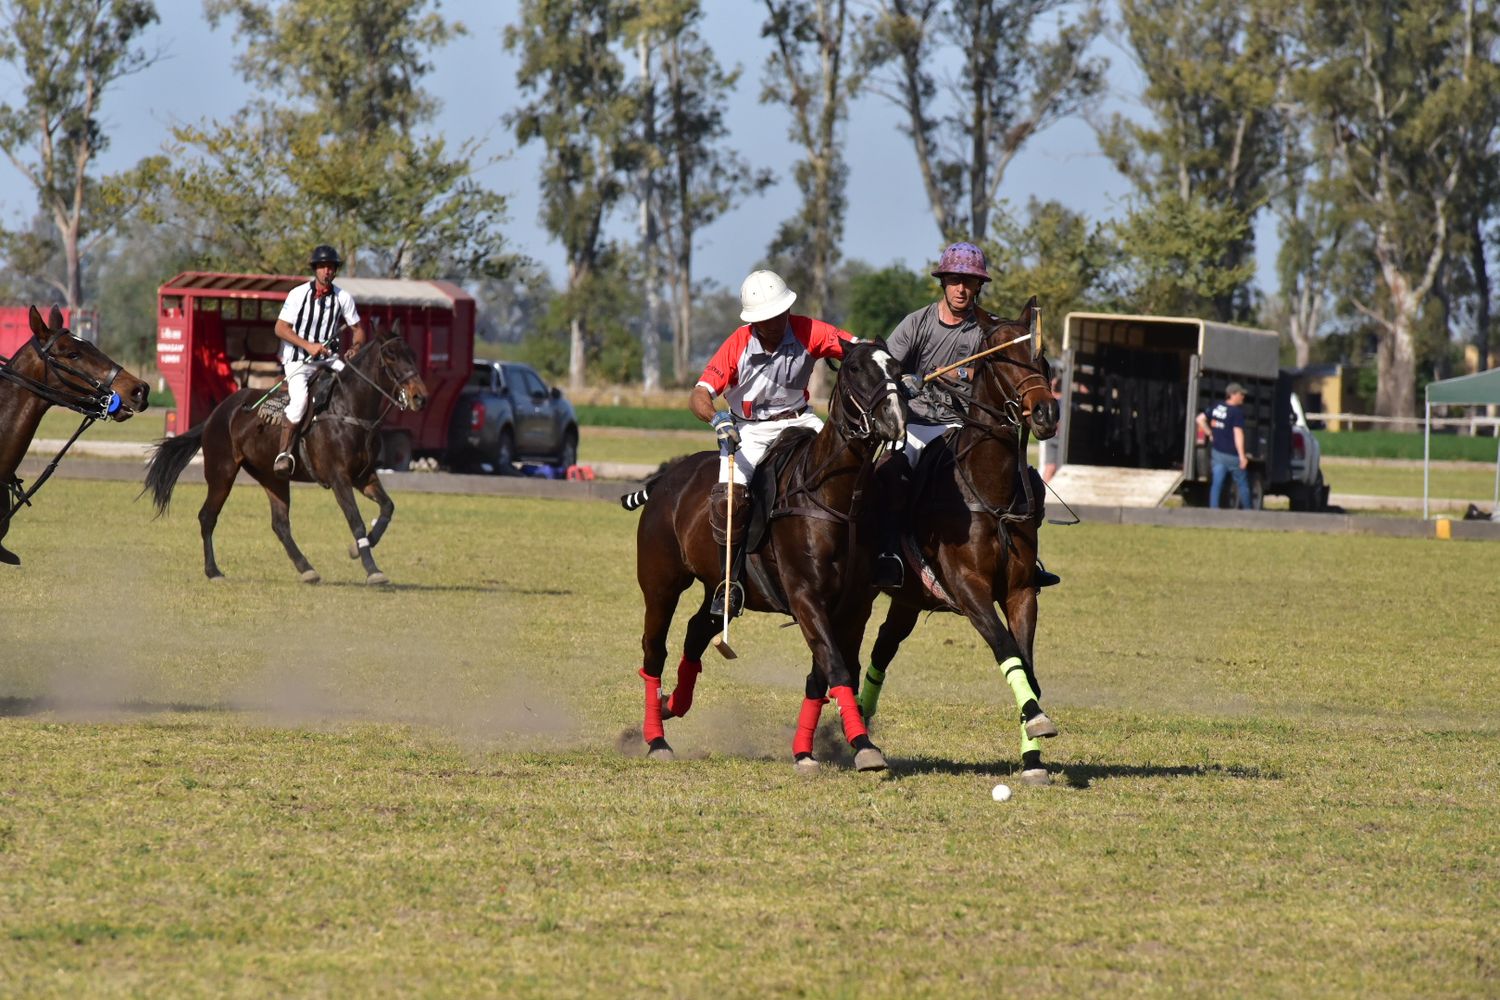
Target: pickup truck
(507,414)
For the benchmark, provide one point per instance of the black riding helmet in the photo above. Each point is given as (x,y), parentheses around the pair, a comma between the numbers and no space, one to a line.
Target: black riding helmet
(325,254)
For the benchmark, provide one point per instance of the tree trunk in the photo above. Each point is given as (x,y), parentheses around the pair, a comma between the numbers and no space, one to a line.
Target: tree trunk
(650,248)
(1481,291)
(577,331)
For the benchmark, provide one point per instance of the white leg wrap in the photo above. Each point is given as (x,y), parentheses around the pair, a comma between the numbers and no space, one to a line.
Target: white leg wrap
(363,543)
(374,524)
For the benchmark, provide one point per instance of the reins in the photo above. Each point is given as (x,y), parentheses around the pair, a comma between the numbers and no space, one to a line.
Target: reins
(94,403)
(800,484)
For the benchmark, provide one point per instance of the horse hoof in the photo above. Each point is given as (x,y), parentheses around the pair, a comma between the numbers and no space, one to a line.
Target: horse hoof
(353,551)
(377,578)
(1036,776)
(311,576)
(807,764)
(217,578)
(662,752)
(1039,726)
(869,759)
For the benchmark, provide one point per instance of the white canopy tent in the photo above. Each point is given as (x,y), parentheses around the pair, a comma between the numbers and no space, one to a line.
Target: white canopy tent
(1479,389)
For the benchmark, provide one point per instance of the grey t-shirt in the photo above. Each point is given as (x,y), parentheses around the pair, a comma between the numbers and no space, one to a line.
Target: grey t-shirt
(922,343)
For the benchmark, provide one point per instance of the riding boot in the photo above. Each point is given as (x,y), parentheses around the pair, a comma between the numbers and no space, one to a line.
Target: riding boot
(1043,578)
(894,477)
(285,463)
(719,519)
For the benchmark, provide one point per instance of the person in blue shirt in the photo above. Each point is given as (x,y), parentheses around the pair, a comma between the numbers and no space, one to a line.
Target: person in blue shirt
(1225,423)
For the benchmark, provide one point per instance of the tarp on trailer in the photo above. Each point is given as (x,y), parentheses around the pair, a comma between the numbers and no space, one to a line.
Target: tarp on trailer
(1479,389)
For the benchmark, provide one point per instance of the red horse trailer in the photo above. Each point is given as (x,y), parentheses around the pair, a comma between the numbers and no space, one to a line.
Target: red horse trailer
(15,326)
(216,334)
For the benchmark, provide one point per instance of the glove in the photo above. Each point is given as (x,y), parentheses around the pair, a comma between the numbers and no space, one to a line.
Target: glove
(911,386)
(725,431)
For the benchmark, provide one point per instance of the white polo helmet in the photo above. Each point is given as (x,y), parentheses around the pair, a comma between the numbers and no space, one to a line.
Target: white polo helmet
(764,296)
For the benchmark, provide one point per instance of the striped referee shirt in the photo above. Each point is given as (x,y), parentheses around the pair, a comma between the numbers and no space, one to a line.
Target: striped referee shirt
(316,319)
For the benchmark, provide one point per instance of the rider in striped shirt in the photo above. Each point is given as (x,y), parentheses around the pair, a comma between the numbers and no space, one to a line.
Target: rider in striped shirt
(309,325)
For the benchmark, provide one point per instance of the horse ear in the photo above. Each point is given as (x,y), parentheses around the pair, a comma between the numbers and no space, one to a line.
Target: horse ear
(54,318)
(40,329)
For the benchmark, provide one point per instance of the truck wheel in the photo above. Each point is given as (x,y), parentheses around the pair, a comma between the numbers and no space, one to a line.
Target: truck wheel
(568,457)
(1317,494)
(505,453)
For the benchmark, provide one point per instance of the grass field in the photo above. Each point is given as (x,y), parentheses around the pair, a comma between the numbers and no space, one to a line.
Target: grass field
(1277,773)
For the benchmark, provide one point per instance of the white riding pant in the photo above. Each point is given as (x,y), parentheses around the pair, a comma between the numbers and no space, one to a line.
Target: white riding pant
(756,437)
(297,375)
(919,436)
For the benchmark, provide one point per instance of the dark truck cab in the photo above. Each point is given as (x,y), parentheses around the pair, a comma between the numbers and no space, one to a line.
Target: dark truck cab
(505,414)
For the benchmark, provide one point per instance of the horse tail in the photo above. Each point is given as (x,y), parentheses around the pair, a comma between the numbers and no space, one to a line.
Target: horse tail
(170,457)
(631,501)
(637,499)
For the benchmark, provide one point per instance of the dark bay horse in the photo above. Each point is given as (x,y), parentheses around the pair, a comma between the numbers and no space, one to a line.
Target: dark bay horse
(811,565)
(338,449)
(54,368)
(971,538)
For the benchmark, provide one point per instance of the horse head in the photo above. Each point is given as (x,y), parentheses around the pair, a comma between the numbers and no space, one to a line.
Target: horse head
(867,403)
(1018,378)
(83,376)
(389,362)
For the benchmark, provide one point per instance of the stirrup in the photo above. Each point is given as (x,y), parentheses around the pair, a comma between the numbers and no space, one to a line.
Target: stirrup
(736,600)
(890,570)
(285,464)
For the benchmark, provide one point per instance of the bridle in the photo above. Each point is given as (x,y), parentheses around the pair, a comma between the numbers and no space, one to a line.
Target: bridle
(852,415)
(400,379)
(78,390)
(1009,416)
(84,394)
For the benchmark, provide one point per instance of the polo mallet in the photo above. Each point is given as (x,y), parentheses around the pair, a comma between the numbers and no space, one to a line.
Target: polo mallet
(974,357)
(721,641)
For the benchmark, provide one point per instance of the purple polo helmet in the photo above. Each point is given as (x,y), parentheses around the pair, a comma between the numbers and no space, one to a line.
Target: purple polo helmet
(962,258)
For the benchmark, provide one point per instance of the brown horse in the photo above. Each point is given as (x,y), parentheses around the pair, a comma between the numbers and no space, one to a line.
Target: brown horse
(810,565)
(339,449)
(971,538)
(54,368)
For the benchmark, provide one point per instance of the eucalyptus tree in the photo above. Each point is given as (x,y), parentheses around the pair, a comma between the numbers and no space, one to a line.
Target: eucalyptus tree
(690,177)
(342,116)
(812,72)
(1206,161)
(67,54)
(967,127)
(582,108)
(1395,85)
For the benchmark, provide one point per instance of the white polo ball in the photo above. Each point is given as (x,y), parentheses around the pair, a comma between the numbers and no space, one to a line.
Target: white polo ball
(1000,793)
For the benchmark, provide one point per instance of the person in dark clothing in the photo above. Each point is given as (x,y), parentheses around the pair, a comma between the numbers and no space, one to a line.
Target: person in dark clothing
(1225,423)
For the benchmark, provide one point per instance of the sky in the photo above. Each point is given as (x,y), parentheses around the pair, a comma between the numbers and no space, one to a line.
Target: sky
(888,219)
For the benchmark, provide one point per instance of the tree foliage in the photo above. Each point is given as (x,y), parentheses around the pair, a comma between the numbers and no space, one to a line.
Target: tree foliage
(1058,255)
(1208,158)
(1402,91)
(333,151)
(68,54)
(583,110)
(966,130)
(878,300)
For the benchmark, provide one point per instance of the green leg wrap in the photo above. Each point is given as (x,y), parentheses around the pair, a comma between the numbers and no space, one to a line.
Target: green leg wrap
(1028,743)
(869,692)
(1015,676)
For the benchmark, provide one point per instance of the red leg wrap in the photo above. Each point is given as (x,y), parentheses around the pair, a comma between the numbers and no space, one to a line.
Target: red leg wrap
(807,724)
(651,728)
(854,723)
(682,695)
